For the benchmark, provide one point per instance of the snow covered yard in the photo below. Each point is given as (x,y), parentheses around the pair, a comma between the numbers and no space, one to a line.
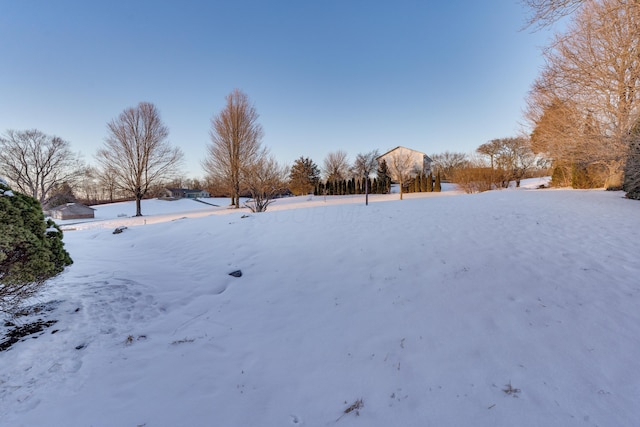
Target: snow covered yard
(507,308)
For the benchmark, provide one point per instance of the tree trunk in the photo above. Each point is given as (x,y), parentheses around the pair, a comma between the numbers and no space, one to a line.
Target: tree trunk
(366,191)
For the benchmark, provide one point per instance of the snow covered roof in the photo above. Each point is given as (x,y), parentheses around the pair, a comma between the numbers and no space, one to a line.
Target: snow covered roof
(72,208)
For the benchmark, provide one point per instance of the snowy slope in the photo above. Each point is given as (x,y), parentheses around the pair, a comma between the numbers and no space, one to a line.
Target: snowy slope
(507,308)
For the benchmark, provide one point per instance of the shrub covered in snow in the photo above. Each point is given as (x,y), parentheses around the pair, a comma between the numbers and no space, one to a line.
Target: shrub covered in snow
(31,249)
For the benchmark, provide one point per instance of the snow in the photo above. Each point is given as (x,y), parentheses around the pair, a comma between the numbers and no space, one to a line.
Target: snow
(51,229)
(514,307)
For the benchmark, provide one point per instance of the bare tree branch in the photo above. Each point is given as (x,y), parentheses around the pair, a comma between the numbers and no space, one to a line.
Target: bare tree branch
(35,162)
(364,165)
(547,12)
(587,97)
(235,143)
(401,167)
(336,166)
(265,179)
(136,153)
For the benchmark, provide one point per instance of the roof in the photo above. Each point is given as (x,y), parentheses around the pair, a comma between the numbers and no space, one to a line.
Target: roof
(400,146)
(72,208)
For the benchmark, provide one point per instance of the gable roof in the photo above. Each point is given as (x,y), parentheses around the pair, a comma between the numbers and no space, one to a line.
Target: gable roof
(73,208)
(405,148)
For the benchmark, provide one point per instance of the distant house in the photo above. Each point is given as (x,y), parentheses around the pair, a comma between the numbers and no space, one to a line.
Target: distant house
(184,193)
(421,162)
(72,211)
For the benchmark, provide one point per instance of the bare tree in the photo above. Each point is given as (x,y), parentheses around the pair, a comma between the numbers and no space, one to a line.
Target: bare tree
(402,167)
(265,179)
(594,70)
(336,166)
(491,149)
(515,158)
(107,181)
(236,139)
(137,152)
(88,186)
(363,166)
(547,12)
(35,163)
(446,163)
(557,126)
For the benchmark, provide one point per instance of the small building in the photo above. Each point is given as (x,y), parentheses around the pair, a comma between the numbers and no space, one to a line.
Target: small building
(184,193)
(421,163)
(72,211)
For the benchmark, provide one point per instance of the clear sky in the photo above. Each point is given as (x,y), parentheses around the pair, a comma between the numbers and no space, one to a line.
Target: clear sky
(324,75)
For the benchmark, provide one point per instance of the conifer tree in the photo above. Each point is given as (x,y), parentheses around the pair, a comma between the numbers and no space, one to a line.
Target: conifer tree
(31,249)
(632,167)
(430,183)
(304,176)
(384,180)
(437,186)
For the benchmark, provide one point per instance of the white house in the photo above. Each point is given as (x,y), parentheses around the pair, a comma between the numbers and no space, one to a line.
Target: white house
(418,162)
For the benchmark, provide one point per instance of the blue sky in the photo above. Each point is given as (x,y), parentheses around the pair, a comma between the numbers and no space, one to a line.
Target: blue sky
(324,75)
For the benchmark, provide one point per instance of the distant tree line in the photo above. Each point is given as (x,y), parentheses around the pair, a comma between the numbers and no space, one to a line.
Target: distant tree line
(378,185)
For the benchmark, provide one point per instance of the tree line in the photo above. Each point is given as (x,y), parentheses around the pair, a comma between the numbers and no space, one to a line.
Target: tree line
(137,161)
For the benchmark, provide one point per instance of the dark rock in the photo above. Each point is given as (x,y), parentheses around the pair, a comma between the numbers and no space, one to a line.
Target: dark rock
(237,273)
(119,230)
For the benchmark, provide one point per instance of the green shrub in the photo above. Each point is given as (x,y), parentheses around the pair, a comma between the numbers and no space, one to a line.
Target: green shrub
(31,249)
(632,172)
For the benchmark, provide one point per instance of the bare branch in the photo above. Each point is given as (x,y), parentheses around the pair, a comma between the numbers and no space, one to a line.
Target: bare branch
(35,162)
(136,153)
(547,12)
(587,97)
(235,143)
(265,179)
(336,166)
